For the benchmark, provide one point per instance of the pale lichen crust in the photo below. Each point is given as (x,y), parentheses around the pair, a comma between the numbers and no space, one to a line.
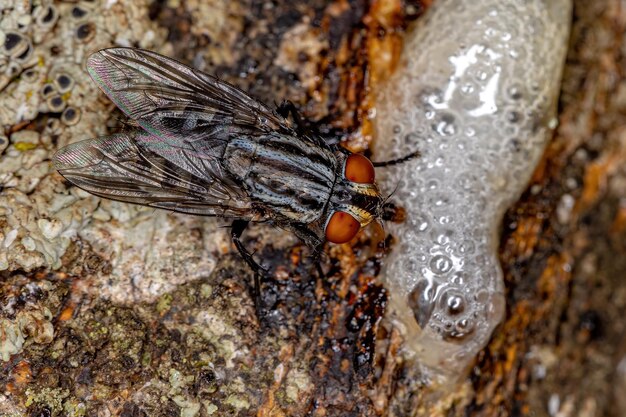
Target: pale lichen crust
(48,101)
(476,94)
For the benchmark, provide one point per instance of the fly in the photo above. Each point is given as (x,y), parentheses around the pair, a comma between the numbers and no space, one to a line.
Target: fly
(205,147)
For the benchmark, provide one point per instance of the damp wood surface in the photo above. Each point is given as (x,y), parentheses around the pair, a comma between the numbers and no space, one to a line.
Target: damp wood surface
(85,335)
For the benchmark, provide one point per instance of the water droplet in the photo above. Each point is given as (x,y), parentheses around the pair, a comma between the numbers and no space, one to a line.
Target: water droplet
(453,303)
(440,264)
(411,138)
(445,126)
(467,247)
(443,238)
(445,219)
(432,184)
(421,224)
(514,145)
(410,265)
(397,129)
(482,75)
(513,117)
(465,182)
(464,327)
(458,279)
(515,92)
(467,89)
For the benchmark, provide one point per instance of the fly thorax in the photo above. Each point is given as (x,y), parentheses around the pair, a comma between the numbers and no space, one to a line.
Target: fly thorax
(283,175)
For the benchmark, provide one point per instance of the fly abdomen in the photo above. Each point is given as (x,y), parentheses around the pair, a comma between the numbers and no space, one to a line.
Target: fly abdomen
(290,177)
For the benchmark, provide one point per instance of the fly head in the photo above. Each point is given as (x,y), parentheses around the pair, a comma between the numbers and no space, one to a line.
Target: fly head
(355,201)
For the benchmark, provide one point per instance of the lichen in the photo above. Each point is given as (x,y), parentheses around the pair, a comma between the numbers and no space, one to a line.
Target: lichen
(32,326)
(48,101)
(478,100)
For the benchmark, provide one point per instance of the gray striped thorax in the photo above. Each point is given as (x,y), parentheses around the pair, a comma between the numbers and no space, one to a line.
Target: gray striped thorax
(284,173)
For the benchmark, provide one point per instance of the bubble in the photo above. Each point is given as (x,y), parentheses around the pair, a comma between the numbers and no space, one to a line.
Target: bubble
(467,247)
(446,219)
(459,279)
(421,224)
(513,116)
(397,129)
(452,302)
(432,184)
(421,301)
(467,89)
(410,265)
(514,145)
(465,327)
(411,138)
(515,92)
(440,264)
(445,125)
(482,75)
(431,97)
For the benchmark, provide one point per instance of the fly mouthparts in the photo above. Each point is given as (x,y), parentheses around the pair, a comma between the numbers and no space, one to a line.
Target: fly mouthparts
(393,213)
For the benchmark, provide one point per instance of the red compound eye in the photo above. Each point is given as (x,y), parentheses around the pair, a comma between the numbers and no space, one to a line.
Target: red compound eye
(341,227)
(359,169)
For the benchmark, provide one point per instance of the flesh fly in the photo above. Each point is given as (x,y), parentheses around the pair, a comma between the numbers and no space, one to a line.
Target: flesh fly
(205,147)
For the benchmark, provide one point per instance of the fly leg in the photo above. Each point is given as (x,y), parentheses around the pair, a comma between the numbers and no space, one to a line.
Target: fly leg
(287,108)
(237,230)
(303,128)
(313,242)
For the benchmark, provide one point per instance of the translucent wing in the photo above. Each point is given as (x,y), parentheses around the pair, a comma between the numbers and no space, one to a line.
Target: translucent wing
(129,167)
(177,103)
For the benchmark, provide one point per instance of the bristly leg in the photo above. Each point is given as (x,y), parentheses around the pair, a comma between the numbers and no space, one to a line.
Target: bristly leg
(237,229)
(305,128)
(286,108)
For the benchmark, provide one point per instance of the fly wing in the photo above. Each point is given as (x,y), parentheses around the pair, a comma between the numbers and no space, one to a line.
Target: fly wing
(126,167)
(172,101)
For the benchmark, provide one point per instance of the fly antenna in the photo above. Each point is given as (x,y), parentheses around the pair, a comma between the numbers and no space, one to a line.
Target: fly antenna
(397,161)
